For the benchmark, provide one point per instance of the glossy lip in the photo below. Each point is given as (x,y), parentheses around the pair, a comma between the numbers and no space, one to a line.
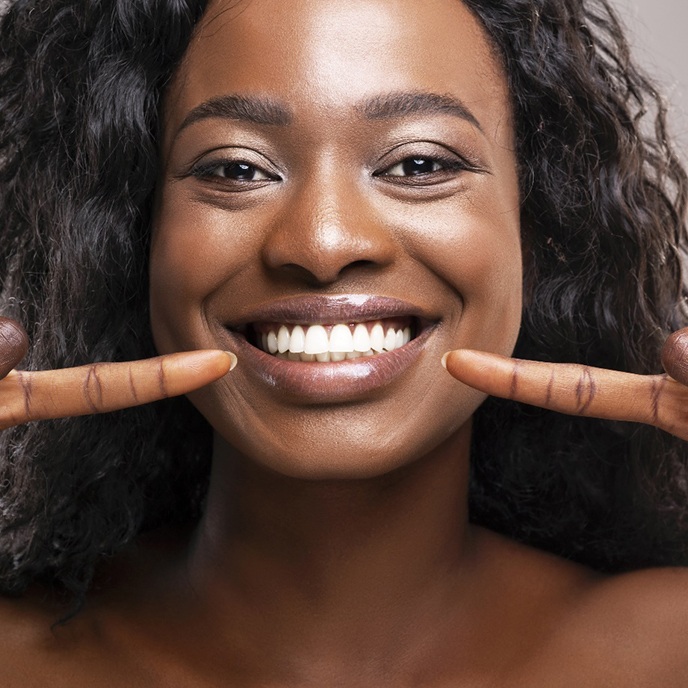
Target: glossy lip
(327,310)
(337,382)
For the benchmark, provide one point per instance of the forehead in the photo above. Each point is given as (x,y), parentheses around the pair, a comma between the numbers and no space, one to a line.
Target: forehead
(330,55)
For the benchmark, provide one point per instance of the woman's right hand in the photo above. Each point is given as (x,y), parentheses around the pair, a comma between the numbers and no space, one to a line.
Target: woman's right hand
(98,387)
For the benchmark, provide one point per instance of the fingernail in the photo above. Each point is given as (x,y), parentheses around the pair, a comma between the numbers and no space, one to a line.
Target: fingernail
(444,360)
(233,358)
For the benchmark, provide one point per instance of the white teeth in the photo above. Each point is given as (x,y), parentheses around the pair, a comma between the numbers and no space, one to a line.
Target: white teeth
(283,340)
(297,340)
(316,340)
(377,338)
(361,338)
(311,342)
(272,343)
(390,340)
(341,339)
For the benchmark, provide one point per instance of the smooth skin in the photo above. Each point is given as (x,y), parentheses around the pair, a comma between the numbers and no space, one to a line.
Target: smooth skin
(335,548)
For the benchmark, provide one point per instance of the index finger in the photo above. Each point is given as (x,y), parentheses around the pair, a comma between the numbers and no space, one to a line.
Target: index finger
(103,387)
(576,389)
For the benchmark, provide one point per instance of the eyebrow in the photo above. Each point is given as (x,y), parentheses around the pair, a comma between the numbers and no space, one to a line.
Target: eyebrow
(403,103)
(255,109)
(265,111)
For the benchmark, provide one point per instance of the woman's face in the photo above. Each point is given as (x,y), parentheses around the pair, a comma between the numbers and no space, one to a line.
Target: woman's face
(348,163)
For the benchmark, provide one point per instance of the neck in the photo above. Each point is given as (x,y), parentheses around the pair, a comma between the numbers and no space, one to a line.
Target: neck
(351,560)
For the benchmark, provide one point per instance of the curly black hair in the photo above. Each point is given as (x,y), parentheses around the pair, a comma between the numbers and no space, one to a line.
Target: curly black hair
(603,204)
(603,217)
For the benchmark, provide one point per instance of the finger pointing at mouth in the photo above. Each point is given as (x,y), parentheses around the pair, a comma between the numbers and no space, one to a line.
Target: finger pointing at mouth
(102,387)
(576,389)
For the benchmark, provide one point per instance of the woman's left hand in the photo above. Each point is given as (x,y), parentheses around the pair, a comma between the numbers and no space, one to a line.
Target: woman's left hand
(659,400)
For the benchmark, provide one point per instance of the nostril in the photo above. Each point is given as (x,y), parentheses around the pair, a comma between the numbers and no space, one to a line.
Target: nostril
(359,264)
(302,274)
(319,277)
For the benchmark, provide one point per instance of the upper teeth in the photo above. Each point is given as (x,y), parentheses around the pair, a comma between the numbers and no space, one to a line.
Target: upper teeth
(316,343)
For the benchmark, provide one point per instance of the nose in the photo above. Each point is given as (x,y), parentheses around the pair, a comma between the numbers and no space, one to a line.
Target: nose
(327,230)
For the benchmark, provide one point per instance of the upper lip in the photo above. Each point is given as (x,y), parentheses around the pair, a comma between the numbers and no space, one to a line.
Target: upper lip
(324,310)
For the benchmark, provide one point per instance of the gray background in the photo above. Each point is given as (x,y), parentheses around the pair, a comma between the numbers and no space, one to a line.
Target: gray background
(658,30)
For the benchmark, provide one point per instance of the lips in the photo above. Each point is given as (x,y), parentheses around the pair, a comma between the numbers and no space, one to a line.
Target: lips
(330,349)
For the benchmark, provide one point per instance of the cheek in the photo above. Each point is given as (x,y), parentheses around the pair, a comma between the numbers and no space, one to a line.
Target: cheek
(486,269)
(473,246)
(193,252)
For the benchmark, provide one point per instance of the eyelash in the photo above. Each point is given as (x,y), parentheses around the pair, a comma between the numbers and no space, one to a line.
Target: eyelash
(443,165)
(205,171)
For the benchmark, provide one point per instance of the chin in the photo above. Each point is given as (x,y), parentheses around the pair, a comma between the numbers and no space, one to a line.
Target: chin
(337,448)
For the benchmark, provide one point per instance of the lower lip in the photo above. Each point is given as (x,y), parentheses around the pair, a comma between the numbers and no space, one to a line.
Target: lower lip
(323,383)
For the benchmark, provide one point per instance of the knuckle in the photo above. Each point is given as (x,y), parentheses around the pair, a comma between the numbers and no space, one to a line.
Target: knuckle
(550,388)
(16,401)
(162,378)
(93,389)
(27,387)
(515,378)
(132,385)
(585,391)
(657,387)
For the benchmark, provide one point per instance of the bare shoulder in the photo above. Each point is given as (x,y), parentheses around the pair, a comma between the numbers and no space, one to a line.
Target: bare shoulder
(660,592)
(44,643)
(96,646)
(29,640)
(37,650)
(612,630)
(632,628)
(651,603)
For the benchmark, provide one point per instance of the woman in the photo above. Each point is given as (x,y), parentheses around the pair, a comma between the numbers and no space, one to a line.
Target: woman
(321,172)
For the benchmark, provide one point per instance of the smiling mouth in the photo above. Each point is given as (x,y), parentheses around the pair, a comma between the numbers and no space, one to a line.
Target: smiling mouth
(326,343)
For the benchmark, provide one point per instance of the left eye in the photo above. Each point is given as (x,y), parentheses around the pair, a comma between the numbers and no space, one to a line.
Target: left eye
(414,167)
(240,171)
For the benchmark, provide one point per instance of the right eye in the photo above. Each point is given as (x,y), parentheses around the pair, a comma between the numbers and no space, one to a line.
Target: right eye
(234,170)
